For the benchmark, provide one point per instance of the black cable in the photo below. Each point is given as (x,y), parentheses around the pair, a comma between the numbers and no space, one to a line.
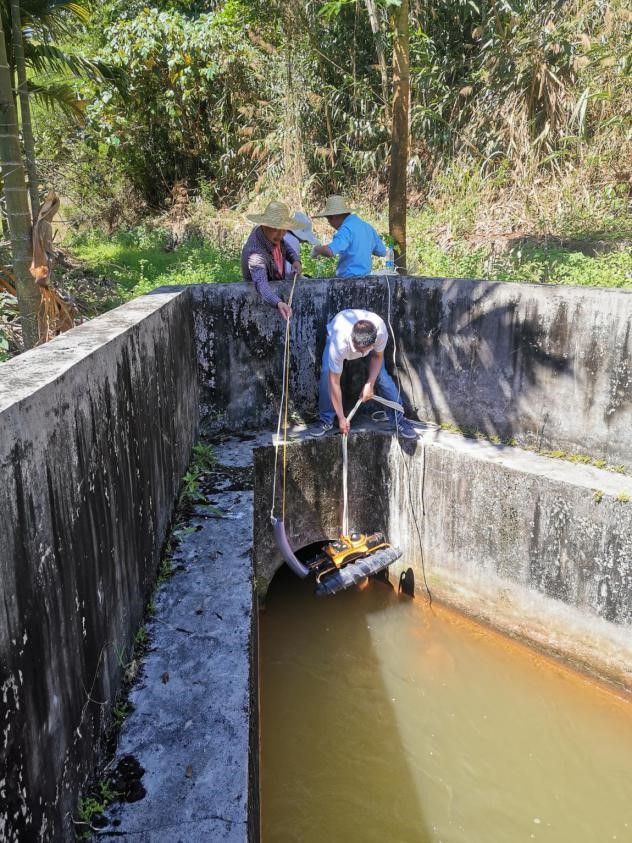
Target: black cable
(412,510)
(423,473)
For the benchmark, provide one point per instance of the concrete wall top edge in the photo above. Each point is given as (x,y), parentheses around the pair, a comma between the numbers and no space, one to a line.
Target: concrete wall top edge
(34,369)
(549,289)
(527,462)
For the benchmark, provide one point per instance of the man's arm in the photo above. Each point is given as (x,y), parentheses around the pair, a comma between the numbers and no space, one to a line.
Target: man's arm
(339,243)
(322,252)
(335,393)
(379,248)
(375,364)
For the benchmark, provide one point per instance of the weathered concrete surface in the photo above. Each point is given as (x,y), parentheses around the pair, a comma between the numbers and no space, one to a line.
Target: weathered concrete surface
(194,728)
(97,428)
(549,366)
(512,537)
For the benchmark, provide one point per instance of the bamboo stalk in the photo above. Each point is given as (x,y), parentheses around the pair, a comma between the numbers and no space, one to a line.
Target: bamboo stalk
(17,204)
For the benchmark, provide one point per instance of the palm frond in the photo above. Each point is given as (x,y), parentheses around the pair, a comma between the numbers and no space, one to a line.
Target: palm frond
(54,19)
(59,96)
(46,59)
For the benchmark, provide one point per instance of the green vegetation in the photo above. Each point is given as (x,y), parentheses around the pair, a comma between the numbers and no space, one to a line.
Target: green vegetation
(91,807)
(120,711)
(138,261)
(141,637)
(160,123)
(165,569)
(516,93)
(202,461)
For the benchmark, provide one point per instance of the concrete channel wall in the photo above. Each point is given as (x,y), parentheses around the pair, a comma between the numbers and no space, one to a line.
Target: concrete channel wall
(97,428)
(537,547)
(550,367)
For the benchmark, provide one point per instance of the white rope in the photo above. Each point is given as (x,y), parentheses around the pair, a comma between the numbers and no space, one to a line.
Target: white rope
(388,319)
(286,363)
(345,509)
(345,459)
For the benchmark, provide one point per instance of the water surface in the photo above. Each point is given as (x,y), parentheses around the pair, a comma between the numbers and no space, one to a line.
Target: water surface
(382,720)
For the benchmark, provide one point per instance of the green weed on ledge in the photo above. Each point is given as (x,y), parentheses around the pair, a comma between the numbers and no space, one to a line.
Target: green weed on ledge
(555,454)
(91,808)
(202,462)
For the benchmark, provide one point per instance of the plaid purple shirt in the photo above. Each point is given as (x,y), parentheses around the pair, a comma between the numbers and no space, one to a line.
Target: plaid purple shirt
(257,264)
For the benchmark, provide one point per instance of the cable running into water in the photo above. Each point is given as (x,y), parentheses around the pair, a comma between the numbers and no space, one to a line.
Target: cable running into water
(404,460)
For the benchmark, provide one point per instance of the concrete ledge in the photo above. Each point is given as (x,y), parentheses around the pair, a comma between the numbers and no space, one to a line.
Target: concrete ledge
(512,537)
(97,429)
(195,727)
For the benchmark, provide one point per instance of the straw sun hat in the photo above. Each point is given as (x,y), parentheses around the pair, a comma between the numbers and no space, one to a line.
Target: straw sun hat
(335,205)
(277,215)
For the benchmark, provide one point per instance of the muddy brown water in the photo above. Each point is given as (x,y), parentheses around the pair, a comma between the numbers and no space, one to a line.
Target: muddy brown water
(382,720)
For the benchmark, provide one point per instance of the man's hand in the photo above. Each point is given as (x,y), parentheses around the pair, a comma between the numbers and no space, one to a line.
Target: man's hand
(297,267)
(343,424)
(285,310)
(322,252)
(367,391)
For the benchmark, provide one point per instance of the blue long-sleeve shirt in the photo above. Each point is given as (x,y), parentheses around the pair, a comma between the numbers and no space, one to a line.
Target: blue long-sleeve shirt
(353,244)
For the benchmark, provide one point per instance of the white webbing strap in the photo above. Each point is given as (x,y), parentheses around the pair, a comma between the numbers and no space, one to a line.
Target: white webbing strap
(345,509)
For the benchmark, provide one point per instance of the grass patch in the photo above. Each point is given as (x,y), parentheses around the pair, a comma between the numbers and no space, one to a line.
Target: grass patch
(138,261)
(91,808)
(202,461)
(120,711)
(524,263)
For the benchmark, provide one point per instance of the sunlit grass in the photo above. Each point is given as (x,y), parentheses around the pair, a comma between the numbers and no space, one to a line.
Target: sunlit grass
(139,262)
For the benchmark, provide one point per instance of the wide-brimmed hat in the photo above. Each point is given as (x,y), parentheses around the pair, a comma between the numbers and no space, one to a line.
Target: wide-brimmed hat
(277,215)
(335,205)
(305,234)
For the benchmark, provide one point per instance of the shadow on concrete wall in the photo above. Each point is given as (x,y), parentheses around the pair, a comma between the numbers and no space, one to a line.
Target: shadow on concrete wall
(461,356)
(465,358)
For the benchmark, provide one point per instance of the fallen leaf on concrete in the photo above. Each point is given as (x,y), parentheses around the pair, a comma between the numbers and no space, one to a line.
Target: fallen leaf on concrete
(165,677)
(189,772)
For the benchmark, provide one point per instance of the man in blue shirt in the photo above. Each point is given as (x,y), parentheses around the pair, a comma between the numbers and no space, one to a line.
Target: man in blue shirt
(354,242)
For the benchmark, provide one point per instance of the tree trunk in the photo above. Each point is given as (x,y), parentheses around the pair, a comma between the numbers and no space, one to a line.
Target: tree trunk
(397,196)
(25,108)
(376,29)
(17,203)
